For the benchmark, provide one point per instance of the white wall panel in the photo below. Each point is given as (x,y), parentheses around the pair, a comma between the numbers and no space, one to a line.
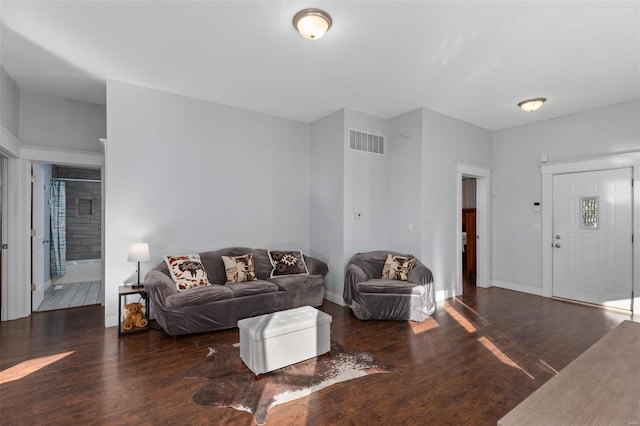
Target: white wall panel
(48,121)
(517,251)
(186,176)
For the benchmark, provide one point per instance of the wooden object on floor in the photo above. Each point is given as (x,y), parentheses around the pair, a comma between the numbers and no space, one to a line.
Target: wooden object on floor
(471,362)
(602,386)
(469,225)
(142,296)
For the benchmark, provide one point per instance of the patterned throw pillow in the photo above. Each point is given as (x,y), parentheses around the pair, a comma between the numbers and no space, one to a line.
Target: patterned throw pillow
(397,267)
(287,263)
(239,268)
(187,271)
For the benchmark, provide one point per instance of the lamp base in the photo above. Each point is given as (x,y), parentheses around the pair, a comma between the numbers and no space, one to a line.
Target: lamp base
(138,285)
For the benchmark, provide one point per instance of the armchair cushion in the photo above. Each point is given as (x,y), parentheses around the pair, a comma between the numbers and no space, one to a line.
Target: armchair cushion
(389,286)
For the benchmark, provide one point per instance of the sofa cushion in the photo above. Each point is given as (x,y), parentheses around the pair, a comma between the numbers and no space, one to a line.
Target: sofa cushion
(250,288)
(186,271)
(239,268)
(199,296)
(287,263)
(297,282)
(397,267)
(389,286)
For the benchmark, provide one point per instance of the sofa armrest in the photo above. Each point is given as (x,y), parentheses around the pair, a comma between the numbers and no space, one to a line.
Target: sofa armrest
(353,275)
(316,266)
(159,286)
(420,274)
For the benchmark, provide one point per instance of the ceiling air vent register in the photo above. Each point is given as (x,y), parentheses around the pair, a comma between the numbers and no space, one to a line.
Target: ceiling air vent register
(366,142)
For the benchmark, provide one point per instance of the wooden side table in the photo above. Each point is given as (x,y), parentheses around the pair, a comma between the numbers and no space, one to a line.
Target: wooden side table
(123,292)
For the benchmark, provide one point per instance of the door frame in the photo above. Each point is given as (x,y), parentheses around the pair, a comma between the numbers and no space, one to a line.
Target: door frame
(17,303)
(618,161)
(38,215)
(482,176)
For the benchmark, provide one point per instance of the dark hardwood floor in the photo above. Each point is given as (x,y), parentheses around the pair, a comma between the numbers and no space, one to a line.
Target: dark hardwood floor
(474,360)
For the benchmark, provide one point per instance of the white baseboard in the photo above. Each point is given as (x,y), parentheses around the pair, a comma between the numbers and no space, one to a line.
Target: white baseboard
(335,298)
(486,284)
(523,288)
(111,321)
(447,293)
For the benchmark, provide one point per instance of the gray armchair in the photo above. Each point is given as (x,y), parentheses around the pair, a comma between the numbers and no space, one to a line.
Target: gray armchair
(371,297)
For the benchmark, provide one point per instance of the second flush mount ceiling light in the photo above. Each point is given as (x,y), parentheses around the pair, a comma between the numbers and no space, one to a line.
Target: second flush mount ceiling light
(531,104)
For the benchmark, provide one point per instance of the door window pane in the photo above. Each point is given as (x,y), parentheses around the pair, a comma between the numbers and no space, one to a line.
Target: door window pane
(589,211)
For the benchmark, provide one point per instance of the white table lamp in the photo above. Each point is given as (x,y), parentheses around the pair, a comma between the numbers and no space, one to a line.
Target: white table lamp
(139,252)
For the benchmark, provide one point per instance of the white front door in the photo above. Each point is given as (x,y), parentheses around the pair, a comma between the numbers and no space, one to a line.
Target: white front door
(38,242)
(592,247)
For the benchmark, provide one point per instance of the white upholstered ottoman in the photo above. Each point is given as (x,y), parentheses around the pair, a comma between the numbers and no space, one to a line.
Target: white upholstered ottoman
(272,341)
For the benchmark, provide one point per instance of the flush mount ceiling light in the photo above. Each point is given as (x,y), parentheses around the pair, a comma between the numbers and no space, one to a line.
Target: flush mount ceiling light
(312,23)
(531,104)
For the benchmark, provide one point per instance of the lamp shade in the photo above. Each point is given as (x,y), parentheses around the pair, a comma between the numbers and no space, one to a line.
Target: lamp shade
(312,23)
(139,252)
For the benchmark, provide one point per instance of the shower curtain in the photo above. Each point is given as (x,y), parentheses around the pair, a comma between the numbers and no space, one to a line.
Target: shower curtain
(58,243)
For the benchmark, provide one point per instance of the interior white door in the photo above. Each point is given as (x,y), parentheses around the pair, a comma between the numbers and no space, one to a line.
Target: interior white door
(38,241)
(592,228)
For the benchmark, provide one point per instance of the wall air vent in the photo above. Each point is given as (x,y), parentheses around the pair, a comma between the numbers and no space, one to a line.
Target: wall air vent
(366,142)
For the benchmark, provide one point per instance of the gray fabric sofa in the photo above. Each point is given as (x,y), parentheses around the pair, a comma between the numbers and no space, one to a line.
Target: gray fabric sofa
(218,306)
(371,297)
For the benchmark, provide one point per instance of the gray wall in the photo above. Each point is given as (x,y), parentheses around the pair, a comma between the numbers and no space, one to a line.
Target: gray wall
(365,188)
(404,197)
(326,193)
(186,175)
(9,104)
(61,123)
(343,182)
(84,213)
(446,141)
(517,251)
(412,186)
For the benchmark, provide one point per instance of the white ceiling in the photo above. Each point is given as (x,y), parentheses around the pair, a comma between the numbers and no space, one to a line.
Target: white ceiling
(472,60)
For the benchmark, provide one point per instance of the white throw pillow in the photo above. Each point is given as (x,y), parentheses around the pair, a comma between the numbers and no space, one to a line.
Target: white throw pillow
(187,271)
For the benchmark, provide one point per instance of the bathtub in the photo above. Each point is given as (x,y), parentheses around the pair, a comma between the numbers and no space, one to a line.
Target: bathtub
(80,271)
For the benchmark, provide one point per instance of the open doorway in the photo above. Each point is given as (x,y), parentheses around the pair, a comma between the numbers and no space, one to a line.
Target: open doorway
(67,237)
(472,183)
(469,234)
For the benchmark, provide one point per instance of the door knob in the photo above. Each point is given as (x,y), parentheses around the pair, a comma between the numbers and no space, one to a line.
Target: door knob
(557,237)
(557,245)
